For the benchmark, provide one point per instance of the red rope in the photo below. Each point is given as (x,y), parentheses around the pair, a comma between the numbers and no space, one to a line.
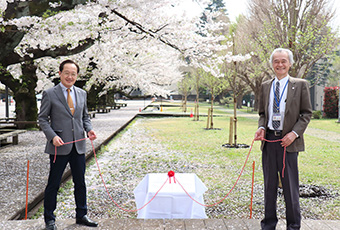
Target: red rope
(107,191)
(172,174)
(229,190)
(284,157)
(55,147)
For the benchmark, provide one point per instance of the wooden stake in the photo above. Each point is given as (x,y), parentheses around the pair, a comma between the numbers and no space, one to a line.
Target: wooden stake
(208,118)
(231,131)
(252,192)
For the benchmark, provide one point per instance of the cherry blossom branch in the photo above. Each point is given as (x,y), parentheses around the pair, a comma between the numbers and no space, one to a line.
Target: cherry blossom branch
(147,31)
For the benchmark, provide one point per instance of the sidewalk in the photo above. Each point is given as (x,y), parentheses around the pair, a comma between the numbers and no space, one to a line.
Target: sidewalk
(14,159)
(141,224)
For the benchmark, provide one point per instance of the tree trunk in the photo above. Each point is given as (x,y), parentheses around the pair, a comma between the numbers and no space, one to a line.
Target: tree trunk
(239,101)
(184,102)
(256,100)
(24,96)
(197,116)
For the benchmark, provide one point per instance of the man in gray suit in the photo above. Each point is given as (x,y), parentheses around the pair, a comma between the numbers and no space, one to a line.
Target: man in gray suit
(63,118)
(285,111)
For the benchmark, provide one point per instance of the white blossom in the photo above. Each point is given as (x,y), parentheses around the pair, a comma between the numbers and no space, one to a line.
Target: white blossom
(126,56)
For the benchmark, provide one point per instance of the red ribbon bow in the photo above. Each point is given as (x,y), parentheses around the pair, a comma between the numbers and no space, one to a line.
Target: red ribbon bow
(171,174)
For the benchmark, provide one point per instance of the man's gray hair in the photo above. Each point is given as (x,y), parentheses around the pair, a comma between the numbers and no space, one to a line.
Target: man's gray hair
(290,55)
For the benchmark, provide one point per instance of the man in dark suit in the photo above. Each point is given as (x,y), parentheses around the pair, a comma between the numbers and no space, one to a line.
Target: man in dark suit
(63,118)
(285,111)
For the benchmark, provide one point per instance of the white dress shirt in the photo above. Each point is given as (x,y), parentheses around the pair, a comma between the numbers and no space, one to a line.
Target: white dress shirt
(282,100)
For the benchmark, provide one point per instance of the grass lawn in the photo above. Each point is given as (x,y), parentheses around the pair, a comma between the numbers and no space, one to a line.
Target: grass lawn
(319,164)
(326,124)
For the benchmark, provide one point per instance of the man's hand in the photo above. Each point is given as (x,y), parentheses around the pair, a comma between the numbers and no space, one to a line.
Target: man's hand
(57,141)
(288,139)
(92,135)
(259,134)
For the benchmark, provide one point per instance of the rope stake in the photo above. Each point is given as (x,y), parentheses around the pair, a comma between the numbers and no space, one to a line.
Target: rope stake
(27,183)
(252,191)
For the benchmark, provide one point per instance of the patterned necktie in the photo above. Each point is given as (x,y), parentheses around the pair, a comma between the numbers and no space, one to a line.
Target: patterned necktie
(276,107)
(70,101)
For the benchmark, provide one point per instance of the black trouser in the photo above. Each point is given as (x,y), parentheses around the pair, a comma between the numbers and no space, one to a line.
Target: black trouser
(77,164)
(272,163)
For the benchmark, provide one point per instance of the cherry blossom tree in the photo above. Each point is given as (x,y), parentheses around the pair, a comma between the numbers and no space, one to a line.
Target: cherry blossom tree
(18,20)
(125,52)
(300,25)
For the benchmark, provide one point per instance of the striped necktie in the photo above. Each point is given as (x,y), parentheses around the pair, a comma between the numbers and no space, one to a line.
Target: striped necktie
(276,105)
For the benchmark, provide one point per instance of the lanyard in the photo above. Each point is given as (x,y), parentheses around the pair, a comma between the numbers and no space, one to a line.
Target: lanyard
(278,100)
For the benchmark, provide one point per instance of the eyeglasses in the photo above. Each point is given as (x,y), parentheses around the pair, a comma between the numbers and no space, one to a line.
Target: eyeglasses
(69,74)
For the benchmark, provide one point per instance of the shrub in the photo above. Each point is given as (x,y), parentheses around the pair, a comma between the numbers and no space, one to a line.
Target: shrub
(227,100)
(331,101)
(317,114)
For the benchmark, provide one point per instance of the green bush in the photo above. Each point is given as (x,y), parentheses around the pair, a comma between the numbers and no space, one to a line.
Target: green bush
(226,100)
(317,114)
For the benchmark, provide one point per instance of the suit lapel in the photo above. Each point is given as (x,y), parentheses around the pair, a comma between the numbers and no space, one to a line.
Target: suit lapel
(267,92)
(290,93)
(78,99)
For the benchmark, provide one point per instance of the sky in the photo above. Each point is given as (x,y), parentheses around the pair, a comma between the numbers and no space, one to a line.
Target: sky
(336,21)
(236,7)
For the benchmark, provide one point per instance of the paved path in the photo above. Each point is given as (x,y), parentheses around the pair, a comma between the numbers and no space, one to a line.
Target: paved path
(140,224)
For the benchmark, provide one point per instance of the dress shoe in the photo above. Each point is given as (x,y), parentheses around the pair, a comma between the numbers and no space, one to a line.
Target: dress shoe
(50,225)
(86,221)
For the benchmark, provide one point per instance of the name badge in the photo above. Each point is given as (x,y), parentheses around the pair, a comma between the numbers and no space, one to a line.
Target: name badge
(276,117)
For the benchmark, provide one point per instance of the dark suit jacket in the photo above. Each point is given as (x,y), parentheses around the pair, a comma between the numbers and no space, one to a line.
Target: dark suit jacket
(55,118)
(298,110)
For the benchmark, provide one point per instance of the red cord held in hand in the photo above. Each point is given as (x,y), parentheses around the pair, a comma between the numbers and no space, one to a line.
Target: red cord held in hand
(284,155)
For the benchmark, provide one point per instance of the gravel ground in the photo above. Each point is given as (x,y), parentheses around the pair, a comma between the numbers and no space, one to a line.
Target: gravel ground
(13,159)
(127,159)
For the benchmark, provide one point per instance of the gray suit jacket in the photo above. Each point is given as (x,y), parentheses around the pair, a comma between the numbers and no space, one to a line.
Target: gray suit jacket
(55,118)
(297,114)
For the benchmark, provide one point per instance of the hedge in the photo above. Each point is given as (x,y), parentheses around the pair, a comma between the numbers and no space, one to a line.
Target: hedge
(331,102)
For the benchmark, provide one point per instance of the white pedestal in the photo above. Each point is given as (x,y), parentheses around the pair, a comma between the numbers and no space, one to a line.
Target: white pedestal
(171,202)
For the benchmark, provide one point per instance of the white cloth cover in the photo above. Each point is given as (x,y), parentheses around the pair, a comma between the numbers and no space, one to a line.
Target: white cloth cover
(171,202)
